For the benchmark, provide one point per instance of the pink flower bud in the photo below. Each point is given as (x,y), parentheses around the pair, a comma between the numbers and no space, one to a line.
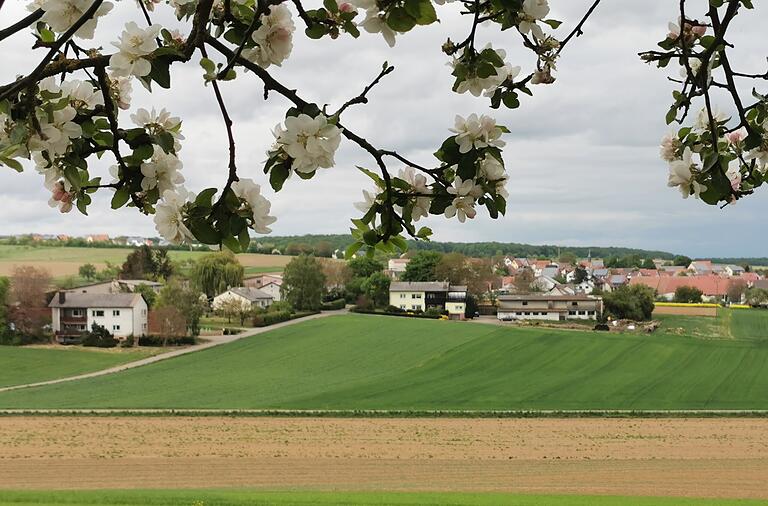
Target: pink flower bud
(699,30)
(346,7)
(736,137)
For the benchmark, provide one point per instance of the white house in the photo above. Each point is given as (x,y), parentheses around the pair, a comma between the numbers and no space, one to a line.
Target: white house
(420,296)
(548,307)
(122,314)
(245,295)
(272,289)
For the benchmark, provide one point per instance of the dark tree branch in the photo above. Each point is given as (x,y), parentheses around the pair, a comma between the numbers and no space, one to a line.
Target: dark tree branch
(21,24)
(578,32)
(361,98)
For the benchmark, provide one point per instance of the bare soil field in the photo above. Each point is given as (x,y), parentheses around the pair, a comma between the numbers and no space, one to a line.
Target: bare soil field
(685,311)
(662,457)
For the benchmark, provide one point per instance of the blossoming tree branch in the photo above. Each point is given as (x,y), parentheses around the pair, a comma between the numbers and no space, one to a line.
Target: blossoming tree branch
(65,113)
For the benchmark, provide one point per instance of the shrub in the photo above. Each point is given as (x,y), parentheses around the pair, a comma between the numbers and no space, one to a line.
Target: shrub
(98,337)
(394,309)
(403,314)
(688,294)
(630,302)
(128,342)
(230,332)
(333,305)
(434,311)
(168,341)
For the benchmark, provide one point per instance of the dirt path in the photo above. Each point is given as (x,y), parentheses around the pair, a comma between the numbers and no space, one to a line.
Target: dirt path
(664,457)
(211,341)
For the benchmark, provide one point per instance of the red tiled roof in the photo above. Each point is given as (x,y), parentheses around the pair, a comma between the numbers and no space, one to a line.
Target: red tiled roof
(709,285)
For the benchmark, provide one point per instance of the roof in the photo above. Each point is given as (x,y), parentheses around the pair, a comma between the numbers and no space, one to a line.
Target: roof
(250,293)
(425,286)
(618,279)
(88,300)
(521,297)
(709,285)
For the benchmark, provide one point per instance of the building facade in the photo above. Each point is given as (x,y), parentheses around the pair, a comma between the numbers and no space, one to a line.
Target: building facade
(549,307)
(421,296)
(245,296)
(122,314)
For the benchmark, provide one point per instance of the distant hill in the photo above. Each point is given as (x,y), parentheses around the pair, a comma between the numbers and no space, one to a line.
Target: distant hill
(754,261)
(310,242)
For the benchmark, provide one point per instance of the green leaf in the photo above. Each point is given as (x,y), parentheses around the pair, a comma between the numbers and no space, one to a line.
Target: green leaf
(144,152)
(331,6)
(352,249)
(204,232)
(208,65)
(231,244)
(315,31)
(204,197)
(400,21)
(553,23)
(161,71)
(10,162)
(421,10)
(278,174)
(245,239)
(120,198)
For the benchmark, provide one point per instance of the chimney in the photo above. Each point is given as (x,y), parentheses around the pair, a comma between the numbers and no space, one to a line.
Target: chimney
(62,297)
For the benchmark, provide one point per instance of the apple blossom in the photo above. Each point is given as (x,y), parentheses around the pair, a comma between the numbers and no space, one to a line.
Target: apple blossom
(477,85)
(311,142)
(736,137)
(82,95)
(56,135)
(533,10)
(681,175)
(702,120)
(670,146)
(169,216)
(462,208)
(120,89)
(464,188)
(135,43)
(161,171)
(417,181)
(734,176)
(250,193)
(476,132)
(491,169)
(157,122)
(62,14)
(369,200)
(274,38)
(60,197)
(375,21)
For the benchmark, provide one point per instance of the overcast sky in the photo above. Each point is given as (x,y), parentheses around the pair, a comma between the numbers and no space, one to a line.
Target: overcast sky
(582,153)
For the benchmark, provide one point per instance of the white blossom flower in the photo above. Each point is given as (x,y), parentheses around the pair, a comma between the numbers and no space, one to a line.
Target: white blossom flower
(375,21)
(156,122)
(462,208)
(369,199)
(134,44)
(169,216)
(51,170)
(492,169)
(50,85)
(702,120)
(114,171)
(161,171)
(417,180)
(82,95)
(477,85)
(250,192)
(681,175)
(476,132)
(736,137)
(761,156)
(734,175)
(670,146)
(533,10)
(543,76)
(61,15)
(421,207)
(61,197)
(465,188)
(274,38)
(311,142)
(120,89)
(56,135)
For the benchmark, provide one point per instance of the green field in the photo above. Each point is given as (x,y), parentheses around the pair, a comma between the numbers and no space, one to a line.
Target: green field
(20,365)
(739,324)
(65,261)
(248,498)
(374,362)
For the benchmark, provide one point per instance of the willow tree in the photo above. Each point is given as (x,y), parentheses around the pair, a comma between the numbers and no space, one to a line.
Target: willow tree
(216,272)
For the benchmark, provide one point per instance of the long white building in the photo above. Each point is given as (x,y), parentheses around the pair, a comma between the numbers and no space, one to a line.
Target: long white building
(122,314)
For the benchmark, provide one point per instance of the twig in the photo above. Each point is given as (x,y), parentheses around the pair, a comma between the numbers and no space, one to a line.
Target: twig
(577,32)
(21,83)
(361,98)
(21,24)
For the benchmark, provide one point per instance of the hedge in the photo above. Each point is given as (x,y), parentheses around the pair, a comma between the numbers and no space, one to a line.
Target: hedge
(334,305)
(405,315)
(267,319)
(685,304)
(170,341)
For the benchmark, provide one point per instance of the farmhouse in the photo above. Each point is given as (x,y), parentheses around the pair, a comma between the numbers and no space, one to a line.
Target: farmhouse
(712,287)
(246,296)
(420,296)
(122,314)
(548,307)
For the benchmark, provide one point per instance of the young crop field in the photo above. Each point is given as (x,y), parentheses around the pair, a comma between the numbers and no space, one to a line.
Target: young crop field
(373,362)
(20,365)
(738,324)
(65,261)
(304,498)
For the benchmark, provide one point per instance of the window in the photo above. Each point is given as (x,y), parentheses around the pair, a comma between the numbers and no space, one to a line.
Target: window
(574,304)
(143,326)
(77,312)
(581,312)
(525,303)
(590,313)
(402,306)
(527,313)
(415,295)
(415,306)
(115,327)
(97,312)
(143,312)
(115,312)
(571,313)
(402,295)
